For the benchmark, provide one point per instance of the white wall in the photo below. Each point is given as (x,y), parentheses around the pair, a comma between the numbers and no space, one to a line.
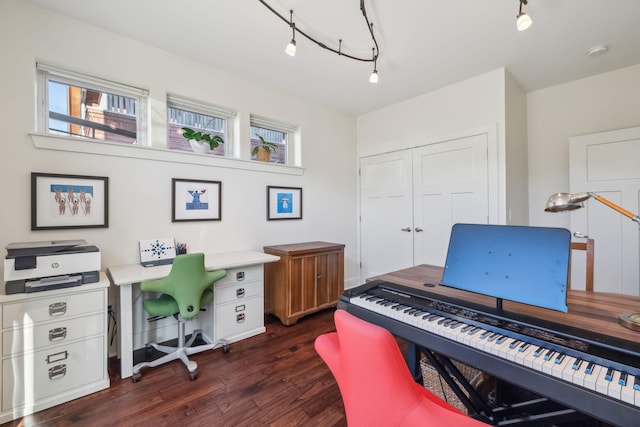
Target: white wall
(140,190)
(605,102)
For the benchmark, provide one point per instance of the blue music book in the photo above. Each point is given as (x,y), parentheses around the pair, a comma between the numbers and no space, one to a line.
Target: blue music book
(523,264)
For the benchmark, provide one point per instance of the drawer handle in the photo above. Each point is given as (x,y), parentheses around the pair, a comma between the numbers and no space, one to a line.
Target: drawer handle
(57,308)
(57,372)
(240,317)
(57,334)
(56,357)
(240,275)
(240,292)
(240,308)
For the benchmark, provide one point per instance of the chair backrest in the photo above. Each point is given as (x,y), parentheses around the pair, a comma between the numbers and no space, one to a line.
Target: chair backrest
(185,283)
(374,380)
(587,246)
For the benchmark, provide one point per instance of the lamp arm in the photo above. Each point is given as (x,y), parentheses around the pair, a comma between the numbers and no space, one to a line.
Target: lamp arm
(615,207)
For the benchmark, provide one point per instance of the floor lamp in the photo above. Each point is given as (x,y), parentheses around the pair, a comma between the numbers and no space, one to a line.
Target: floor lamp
(561,202)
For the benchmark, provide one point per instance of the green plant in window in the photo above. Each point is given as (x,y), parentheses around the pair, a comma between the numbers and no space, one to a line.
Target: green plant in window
(264,149)
(210,138)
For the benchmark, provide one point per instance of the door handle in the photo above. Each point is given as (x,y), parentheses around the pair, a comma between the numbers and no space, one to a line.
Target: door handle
(408,229)
(418,229)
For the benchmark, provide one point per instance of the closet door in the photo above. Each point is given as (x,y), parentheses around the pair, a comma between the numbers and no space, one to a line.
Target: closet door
(607,164)
(450,185)
(386,223)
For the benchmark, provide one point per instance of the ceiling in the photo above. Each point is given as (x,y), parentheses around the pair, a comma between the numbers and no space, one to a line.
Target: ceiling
(424,44)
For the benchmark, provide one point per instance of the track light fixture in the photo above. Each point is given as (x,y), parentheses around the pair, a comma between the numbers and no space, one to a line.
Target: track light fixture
(291,47)
(523,21)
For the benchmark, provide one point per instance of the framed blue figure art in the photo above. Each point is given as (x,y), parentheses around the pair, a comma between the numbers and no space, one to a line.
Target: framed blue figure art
(284,202)
(196,200)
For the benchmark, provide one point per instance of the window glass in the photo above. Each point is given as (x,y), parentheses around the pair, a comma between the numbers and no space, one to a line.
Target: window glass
(179,119)
(87,109)
(273,137)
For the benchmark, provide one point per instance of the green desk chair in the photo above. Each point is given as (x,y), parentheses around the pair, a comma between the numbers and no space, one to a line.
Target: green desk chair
(184,291)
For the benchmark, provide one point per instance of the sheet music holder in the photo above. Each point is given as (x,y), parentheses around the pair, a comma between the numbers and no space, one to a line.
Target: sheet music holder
(518,263)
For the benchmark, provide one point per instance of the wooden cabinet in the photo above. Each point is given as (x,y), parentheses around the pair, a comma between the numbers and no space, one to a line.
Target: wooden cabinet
(54,347)
(309,277)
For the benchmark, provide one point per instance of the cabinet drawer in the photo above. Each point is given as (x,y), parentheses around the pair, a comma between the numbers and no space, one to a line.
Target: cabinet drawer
(32,377)
(239,317)
(36,310)
(29,338)
(236,292)
(240,275)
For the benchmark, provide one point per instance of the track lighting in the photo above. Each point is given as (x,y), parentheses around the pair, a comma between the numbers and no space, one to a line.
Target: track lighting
(523,21)
(291,47)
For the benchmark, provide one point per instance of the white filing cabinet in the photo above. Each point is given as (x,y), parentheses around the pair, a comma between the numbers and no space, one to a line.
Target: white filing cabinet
(54,347)
(239,303)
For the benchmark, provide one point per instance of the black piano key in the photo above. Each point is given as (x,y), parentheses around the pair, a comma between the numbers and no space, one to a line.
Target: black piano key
(538,352)
(433,317)
(418,313)
(636,383)
(609,375)
(501,339)
(560,358)
(466,328)
(473,330)
(576,365)
(589,369)
(523,347)
(515,343)
(549,355)
(623,378)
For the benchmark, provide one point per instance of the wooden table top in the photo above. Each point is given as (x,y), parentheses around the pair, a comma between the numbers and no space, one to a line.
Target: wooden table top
(594,311)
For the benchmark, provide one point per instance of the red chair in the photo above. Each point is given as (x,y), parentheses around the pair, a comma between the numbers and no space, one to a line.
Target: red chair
(374,380)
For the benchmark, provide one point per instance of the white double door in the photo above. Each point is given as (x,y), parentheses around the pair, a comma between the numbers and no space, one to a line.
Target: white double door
(608,164)
(410,199)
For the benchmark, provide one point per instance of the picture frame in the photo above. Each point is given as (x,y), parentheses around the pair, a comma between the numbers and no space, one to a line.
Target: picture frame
(284,203)
(62,201)
(195,200)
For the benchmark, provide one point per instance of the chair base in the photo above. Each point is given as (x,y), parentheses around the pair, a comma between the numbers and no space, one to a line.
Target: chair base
(181,352)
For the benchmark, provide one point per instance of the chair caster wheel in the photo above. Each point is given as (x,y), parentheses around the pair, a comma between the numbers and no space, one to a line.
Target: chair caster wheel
(193,375)
(136,377)
(225,348)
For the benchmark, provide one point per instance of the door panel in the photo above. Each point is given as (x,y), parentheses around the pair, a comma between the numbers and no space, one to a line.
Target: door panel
(450,185)
(607,164)
(386,209)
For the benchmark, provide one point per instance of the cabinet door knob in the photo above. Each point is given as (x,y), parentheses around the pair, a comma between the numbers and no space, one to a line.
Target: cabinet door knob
(407,229)
(418,229)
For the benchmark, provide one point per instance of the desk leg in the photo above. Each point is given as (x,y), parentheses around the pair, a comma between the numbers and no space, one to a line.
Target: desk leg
(126,331)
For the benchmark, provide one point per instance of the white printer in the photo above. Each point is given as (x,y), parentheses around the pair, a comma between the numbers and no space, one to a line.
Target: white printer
(40,266)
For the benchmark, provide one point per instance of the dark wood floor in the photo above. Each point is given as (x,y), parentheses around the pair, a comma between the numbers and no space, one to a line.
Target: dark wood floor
(273,379)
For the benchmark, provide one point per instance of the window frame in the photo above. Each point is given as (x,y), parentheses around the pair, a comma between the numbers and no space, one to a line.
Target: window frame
(292,132)
(200,107)
(47,73)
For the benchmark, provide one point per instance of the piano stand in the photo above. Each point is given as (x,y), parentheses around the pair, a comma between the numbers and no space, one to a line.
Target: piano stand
(535,411)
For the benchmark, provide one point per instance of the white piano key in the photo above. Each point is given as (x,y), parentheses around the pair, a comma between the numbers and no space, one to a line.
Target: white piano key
(615,388)
(627,393)
(570,369)
(524,353)
(590,380)
(559,367)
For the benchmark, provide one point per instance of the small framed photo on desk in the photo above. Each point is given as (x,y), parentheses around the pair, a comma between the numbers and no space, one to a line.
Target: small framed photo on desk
(195,200)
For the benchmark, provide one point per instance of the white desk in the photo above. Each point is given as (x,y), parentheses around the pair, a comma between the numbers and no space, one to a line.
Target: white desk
(124,276)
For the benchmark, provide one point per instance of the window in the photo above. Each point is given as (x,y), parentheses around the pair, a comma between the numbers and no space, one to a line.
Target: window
(210,119)
(281,135)
(81,106)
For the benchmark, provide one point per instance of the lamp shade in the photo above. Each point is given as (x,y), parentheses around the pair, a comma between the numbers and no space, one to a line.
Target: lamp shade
(560,202)
(523,21)
(291,48)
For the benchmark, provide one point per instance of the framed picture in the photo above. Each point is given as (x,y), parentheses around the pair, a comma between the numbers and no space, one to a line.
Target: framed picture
(195,200)
(284,203)
(69,201)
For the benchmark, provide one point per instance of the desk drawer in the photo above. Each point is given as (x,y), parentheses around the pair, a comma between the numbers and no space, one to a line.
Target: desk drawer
(36,376)
(29,338)
(240,275)
(36,310)
(236,292)
(239,317)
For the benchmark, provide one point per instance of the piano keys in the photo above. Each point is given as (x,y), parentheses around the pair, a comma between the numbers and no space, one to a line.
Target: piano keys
(592,373)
